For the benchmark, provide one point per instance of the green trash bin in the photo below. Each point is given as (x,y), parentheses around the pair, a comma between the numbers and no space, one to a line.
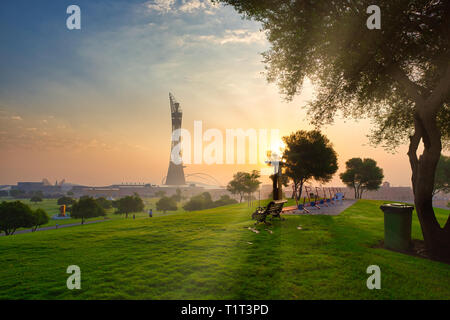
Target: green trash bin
(397,226)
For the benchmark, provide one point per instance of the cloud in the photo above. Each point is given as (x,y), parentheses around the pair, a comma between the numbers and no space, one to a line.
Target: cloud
(186,6)
(18,118)
(160,6)
(228,37)
(195,5)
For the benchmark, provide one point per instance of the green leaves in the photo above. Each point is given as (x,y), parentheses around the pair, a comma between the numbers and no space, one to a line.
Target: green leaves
(129,204)
(14,215)
(244,183)
(362,175)
(86,208)
(309,154)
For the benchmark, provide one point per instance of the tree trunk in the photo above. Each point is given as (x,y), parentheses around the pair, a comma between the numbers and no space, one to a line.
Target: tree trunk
(437,239)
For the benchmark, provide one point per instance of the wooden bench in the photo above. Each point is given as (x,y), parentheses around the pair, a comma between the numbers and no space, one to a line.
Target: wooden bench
(274,208)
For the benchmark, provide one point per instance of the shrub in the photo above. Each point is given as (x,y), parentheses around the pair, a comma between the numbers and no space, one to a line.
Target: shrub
(166,204)
(199,202)
(40,217)
(224,201)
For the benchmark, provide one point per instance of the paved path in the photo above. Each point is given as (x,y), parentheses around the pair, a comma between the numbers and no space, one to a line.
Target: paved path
(54,227)
(332,210)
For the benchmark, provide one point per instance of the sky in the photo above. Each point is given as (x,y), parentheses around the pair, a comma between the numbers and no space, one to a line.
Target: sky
(91,105)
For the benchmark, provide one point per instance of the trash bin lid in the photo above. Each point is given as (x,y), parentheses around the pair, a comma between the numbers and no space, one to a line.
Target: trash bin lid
(397,206)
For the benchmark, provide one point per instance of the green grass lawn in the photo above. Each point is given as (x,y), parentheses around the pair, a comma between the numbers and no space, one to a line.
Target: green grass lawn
(52,208)
(211,255)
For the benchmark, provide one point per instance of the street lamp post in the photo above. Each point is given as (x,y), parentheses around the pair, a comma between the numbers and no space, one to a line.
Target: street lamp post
(275,161)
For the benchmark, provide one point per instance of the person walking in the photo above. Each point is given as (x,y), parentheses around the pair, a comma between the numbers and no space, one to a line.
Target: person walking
(150,213)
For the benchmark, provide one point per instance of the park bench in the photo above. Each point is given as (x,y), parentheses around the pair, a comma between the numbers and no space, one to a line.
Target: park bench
(274,208)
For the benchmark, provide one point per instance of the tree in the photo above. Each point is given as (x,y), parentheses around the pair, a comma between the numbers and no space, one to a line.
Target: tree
(442,179)
(308,155)
(40,217)
(244,183)
(237,185)
(362,175)
(178,196)
(86,208)
(68,201)
(166,204)
(252,183)
(199,202)
(399,76)
(104,203)
(224,201)
(130,204)
(13,215)
(35,199)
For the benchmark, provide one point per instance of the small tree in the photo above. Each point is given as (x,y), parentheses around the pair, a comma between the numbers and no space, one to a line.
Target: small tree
(86,208)
(244,183)
(104,203)
(252,184)
(237,185)
(442,179)
(308,155)
(362,175)
(14,215)
(224,201)
(68,201)
(199,202)
(40,217)
(35,199)
(130,204)
(178,196)
(166,204)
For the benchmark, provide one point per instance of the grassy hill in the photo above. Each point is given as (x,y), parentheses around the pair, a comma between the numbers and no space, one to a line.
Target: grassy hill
(211,255)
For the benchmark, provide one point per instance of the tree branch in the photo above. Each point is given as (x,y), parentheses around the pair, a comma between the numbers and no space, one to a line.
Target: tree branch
(415,91)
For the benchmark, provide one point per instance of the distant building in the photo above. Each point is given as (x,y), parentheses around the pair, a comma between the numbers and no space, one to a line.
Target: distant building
(29,187)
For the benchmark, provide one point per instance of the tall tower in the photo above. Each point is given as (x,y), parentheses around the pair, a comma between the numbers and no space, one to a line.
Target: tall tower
(175,175)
